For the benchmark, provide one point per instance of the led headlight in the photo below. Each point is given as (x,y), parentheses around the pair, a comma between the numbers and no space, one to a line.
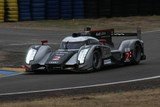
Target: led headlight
(82,55)
(31,54)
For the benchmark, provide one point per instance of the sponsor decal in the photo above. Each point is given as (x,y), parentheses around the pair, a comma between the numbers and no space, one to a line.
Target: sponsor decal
(59,54)
(53,62)
(56,58)
(107,61)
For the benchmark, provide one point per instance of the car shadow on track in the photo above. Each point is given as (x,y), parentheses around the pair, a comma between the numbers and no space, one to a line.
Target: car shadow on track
(114,67)
(54,72)
(67,72)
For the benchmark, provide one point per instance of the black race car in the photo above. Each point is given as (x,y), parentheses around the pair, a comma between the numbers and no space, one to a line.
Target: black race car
(87,51)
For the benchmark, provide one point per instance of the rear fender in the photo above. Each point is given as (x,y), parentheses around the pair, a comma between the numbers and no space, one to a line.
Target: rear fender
(128,45)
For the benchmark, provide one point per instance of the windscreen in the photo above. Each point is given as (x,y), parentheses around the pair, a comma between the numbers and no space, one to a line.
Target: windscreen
(71,45)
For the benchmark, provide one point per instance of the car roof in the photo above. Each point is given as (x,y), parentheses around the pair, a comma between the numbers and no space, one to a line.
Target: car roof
(78,39)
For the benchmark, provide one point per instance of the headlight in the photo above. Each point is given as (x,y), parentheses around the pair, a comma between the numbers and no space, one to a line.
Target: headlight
(82,55)
(31,54)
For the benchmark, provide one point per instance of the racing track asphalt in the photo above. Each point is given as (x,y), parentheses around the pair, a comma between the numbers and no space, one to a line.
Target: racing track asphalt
(32,82)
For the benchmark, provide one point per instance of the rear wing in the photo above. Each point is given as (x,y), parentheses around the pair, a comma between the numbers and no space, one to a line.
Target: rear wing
(108,33)
(137,34)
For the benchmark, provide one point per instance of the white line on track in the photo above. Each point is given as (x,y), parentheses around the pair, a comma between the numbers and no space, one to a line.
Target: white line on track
(151,31)
(81,87)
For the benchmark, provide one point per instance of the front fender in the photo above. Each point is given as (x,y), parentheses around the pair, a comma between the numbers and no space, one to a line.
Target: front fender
(87,65)
(42,54)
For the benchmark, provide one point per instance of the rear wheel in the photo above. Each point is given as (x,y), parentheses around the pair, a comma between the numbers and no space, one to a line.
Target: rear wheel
(136,54)
(97,60)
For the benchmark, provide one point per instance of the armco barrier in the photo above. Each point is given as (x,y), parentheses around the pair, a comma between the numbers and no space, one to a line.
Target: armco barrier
(38,9)
(78,9)
(24,10)
(1,10)
(52,9)
(11,10)
(66,9)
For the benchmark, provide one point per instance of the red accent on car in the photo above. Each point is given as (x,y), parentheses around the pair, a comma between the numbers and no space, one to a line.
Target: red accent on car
(103,41)
(128,56)
(44,41)
(56,58)
(104,30)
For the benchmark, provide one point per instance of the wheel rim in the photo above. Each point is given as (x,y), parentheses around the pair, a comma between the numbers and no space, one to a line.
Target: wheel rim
(137,53)
(95,60)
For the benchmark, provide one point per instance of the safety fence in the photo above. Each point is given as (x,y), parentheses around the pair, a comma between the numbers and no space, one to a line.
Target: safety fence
(23,10)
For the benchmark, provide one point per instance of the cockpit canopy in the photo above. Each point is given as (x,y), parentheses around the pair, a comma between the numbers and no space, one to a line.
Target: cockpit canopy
(71,45)
(77,42)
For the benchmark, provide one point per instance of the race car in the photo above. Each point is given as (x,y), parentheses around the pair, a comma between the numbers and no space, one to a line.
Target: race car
(87,51)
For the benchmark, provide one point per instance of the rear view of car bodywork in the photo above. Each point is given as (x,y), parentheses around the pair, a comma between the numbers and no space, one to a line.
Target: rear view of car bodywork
(86,52)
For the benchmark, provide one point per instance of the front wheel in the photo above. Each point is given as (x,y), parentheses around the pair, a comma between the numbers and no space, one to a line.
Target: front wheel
(97,60)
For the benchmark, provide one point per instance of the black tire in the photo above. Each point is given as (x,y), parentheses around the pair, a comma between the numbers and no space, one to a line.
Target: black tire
(97,60)
(137,54)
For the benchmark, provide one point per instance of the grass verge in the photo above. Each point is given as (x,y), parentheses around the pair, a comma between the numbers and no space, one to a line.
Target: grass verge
(139,98)
(12,69)
(1,75)
(147,23)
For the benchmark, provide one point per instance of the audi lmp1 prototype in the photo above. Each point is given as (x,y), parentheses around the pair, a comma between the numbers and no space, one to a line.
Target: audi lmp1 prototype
(87,51)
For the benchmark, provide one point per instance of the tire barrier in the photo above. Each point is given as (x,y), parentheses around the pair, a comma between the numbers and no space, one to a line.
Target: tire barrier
(78,9)
(24,10)
(118,8)
(156,7)
(11,10)
(66,9)
(131,7)
(145,7)
(1,10)
(91,8)
(52,9)
(38,9)
(14,10)
(105,8)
